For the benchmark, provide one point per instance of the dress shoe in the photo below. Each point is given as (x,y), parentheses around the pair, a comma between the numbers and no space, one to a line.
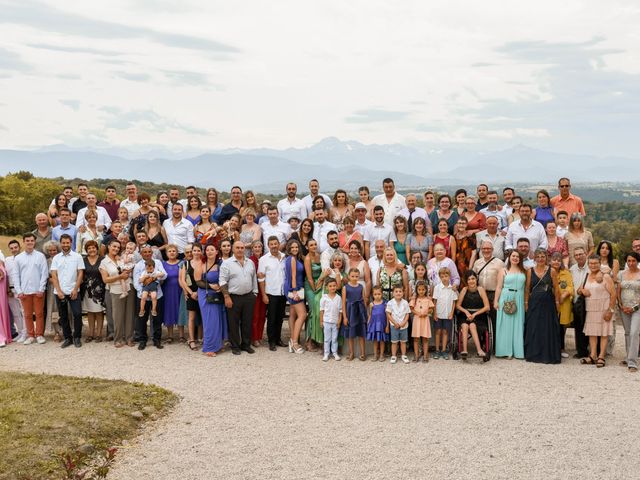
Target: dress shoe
(67,343)
(142,345)
(77,342)
(248,349)
(158,345)
(272,347)
(280,343)
(235,351)
(109,338)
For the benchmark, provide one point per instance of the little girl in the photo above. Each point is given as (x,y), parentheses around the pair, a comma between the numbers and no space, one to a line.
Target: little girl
(444,296)
(128,265)
(354,313)
(421,306)
(150,290)
(377,328)
(419,275)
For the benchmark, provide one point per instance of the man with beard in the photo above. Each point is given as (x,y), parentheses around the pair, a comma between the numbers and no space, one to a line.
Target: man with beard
(291,205)
(492,235)
(527,228)
(494,210)
(378,231)
(156,320)
(333,246)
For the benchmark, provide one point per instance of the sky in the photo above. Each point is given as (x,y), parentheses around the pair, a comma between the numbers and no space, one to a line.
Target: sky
(561,76)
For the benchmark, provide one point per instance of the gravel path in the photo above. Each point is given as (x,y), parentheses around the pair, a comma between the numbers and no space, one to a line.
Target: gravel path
(277,415)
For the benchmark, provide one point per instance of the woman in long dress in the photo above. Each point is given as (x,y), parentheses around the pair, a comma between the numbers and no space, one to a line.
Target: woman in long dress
(259,308)
(171,291)
(512,286)
(542,325)
(5,318)
(313,290)
(214,321)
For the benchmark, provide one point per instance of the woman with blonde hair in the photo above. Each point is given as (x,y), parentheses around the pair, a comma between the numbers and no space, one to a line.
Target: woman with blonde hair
(578,236)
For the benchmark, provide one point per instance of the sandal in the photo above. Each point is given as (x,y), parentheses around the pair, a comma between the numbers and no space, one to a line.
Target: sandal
(169,340)
(193,345)
(183,340)
(633,369)
(88,340)
(464,355)
(98,339)
(362,358)
(210,354)
(588,361)
(350,357)
(375,358)
(56,338)
(600,362)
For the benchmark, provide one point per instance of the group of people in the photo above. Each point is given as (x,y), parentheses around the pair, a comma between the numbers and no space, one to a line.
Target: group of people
(356,276)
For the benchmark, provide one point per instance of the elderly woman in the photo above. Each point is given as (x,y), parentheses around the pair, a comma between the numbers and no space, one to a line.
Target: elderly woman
(349,234)
(542,326)
(122,301)
(578,236)
(250,232)
(419,240)
(600,301)
(476,221)
(566,291)
(440,260)
(51,249)
(90,233)
(392,275)
(629,300)
(92,291)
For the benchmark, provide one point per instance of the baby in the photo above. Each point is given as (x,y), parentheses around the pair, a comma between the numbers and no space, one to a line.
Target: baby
(128,265)
(149,291)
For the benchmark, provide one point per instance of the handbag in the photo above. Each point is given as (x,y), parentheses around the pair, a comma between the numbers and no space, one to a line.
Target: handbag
(211,296)
(299,292)
(509,307)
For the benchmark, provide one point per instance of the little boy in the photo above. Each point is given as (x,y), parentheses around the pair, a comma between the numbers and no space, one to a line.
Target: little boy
(444,296)
(330,314)
(150,290)
(398,311)
(562,223)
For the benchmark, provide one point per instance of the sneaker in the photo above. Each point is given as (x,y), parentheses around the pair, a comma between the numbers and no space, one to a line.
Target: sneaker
(393,360)
(29,341)
(40,339)
(405,359)
(435,355)
(325,358)
(21,338)
(564,355)
(445,355)
(2,344)
(336,357)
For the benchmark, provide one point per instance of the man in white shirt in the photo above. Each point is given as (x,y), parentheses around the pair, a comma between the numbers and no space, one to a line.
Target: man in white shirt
(104,220)
(361,218)
(376,261)
(412,211)
(528,228)
(30,277)
(492,235)
(314,188)
(494,210)
(579,271)
(141,321)
(174,198)
(67,271)
(271,286)
(131,202)
(321,227)
(391,201)
(14,303)
(275,228)
(378,231)
(291,205)
(179,230)
(507,195)
(524,247)
(333,247)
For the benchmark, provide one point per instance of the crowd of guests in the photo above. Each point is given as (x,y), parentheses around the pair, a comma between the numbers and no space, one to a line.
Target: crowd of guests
(358,277)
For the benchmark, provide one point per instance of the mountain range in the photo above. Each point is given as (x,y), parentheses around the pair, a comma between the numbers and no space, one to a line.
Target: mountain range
(335,163)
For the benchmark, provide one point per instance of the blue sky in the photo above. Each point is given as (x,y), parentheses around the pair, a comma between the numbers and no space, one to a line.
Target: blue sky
(562,76)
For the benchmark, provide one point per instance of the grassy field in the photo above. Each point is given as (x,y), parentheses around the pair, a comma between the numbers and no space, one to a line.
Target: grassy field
(45,417)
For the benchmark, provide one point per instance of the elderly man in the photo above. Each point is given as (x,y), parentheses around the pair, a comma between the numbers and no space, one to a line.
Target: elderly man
(314,191)
(378,231)
(179,230)
(238,282)
(67,271)
(131,202)
(391,201)
(566,201)
(271,285)
(275,228)
(492,235)
(579,271)
(376,261)
(156,320)
(29,278)
(488,267)
(528,228)
(412,211)
(291,205)
(494,210)
(104,220)
(42,232)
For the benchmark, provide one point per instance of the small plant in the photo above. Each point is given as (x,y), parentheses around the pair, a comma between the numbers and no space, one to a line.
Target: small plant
(80,466)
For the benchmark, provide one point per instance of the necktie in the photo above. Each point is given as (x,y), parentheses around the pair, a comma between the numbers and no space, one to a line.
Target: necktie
(410,221)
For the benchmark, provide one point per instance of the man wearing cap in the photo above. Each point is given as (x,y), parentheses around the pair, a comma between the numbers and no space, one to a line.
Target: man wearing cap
(362,223)
(291,205)
(391,201)
(412,211)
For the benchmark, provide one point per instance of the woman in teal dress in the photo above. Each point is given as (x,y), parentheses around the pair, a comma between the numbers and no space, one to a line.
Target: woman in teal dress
(400,245)
(313,293)
(513,286)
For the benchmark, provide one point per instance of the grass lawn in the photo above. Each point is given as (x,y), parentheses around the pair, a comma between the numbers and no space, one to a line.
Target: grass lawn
(44,417)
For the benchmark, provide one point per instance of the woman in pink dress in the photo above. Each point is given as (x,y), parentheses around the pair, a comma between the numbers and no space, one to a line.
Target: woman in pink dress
(5,319)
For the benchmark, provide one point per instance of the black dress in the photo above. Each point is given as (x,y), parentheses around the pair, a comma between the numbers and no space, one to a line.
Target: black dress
(542,325)
(472,302)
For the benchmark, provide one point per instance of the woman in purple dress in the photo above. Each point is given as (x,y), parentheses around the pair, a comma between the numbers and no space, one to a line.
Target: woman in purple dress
(214,319)
(172,291)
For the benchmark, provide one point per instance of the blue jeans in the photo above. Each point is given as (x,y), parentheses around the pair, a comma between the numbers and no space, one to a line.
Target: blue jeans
(330,338)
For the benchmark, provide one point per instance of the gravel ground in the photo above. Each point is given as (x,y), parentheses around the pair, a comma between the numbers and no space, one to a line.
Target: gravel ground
(277,415)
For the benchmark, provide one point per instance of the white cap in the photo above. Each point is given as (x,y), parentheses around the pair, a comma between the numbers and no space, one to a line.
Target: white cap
(360,205)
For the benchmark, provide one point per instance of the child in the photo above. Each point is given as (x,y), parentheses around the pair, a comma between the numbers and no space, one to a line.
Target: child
(421,306)
(128,265)
(444,297)
(377,327)
(562,223)
(354,314)
(419,275)
(398,317)
(150,290)
(330,309)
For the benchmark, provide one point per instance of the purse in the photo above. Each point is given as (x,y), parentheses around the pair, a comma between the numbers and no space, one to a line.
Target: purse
(299,292)
(211,296)
(509,307)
